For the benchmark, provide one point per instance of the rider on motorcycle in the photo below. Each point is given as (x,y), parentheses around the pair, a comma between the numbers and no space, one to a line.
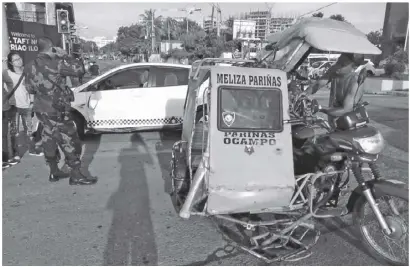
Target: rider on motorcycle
(346,90)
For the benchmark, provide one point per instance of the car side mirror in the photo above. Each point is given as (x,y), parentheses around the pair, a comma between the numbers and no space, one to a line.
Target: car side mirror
(92,88)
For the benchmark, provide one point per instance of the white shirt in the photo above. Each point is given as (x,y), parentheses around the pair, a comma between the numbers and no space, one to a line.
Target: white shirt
(21,97)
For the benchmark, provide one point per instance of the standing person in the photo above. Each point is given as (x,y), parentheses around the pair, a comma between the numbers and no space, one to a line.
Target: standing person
(5,129)
(9,117)
(80,78)
(94,69)
(22,103)
(47,81)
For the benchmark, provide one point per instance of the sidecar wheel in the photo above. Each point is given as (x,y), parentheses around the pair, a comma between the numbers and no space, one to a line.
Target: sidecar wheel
(179,191)
(395,219)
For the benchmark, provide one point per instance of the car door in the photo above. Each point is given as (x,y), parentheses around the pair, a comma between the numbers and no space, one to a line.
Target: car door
(117,101)
(165,100)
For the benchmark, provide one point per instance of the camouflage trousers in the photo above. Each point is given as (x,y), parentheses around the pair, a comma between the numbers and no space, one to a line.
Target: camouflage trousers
(60,131)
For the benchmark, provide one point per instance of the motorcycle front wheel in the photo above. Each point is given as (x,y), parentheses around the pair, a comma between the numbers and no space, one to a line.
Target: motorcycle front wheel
(394,248)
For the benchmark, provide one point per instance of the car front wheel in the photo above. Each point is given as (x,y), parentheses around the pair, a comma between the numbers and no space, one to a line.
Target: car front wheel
(79,123)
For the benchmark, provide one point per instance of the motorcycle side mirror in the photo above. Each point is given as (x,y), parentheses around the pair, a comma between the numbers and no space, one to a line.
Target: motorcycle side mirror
(365,103)
(315,106)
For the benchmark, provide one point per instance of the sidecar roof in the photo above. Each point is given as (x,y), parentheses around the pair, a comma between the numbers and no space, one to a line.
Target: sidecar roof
(327,35)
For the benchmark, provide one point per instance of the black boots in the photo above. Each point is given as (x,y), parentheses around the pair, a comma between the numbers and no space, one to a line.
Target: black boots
(55,173)
(77,178)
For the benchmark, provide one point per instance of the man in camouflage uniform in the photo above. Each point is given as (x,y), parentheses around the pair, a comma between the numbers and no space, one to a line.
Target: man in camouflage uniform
(46,79)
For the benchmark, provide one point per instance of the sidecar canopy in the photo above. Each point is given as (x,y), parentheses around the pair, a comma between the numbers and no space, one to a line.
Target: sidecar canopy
(327,35)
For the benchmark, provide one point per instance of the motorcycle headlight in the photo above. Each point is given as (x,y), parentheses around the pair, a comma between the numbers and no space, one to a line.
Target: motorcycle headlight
(371,145)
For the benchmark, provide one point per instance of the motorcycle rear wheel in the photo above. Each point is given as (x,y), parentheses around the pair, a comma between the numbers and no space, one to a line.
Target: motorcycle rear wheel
(397,221)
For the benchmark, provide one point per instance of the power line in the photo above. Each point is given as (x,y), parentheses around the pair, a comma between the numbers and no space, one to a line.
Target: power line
(317,10)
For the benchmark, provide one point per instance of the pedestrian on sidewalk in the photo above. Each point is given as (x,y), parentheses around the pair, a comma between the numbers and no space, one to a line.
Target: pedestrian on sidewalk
(22,103)
(5,129)
(52,103)
(9,114)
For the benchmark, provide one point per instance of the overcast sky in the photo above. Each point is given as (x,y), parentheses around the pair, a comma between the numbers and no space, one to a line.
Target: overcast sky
(104,18)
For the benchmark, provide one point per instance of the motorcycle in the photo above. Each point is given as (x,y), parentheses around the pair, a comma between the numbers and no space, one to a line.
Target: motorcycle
(242,154)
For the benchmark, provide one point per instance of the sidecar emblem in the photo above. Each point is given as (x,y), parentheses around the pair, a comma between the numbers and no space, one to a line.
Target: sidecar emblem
(228,118)
(249,150)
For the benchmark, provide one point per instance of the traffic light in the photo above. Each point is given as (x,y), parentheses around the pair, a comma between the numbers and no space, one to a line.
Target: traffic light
(63,24)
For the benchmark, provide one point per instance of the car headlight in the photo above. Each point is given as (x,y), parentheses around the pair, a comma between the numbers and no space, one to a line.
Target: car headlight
(371,145)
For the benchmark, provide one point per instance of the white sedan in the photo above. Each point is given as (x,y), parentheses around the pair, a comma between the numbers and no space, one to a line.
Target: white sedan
(132,97)
(319,68)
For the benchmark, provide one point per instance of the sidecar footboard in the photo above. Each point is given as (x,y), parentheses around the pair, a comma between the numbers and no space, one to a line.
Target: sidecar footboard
(254,199)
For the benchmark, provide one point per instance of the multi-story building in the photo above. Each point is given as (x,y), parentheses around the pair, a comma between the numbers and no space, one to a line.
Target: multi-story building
(101,41)
(266,24)
(280,24)
(208,24)
(244,29)
(262,22)
(43,13)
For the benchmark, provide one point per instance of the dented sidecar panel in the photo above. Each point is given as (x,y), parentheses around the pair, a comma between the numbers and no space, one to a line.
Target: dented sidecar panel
(250,147)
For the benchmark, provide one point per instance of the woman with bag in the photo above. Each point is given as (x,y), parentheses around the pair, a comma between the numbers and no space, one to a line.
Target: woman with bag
(21,105)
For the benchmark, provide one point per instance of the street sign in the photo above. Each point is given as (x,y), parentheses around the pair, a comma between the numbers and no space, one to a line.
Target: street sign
(72,28)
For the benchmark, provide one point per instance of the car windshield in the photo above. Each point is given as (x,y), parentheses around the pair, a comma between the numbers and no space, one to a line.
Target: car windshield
(250,109)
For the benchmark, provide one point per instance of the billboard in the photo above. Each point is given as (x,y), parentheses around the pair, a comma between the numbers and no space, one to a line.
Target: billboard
(23,37)
(244,29)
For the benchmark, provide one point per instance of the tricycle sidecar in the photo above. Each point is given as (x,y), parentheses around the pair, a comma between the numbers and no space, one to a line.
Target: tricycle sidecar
(235,141)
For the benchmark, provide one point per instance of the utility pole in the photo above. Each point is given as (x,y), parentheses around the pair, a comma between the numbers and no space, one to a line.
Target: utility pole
(152,32)
(218,20)
(63,39)
(407,38)
(169,32)
(212,17)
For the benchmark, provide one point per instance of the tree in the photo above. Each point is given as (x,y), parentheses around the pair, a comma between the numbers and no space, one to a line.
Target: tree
(318,15)
(375,37)
(131,40)
(159,23)
(88,46)
(338,17)
(109,48)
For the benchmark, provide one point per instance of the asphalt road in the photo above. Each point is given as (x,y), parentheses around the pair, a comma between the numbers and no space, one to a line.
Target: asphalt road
(128,219)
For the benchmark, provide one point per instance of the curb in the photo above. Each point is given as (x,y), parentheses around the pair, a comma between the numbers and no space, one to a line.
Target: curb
(393,93)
